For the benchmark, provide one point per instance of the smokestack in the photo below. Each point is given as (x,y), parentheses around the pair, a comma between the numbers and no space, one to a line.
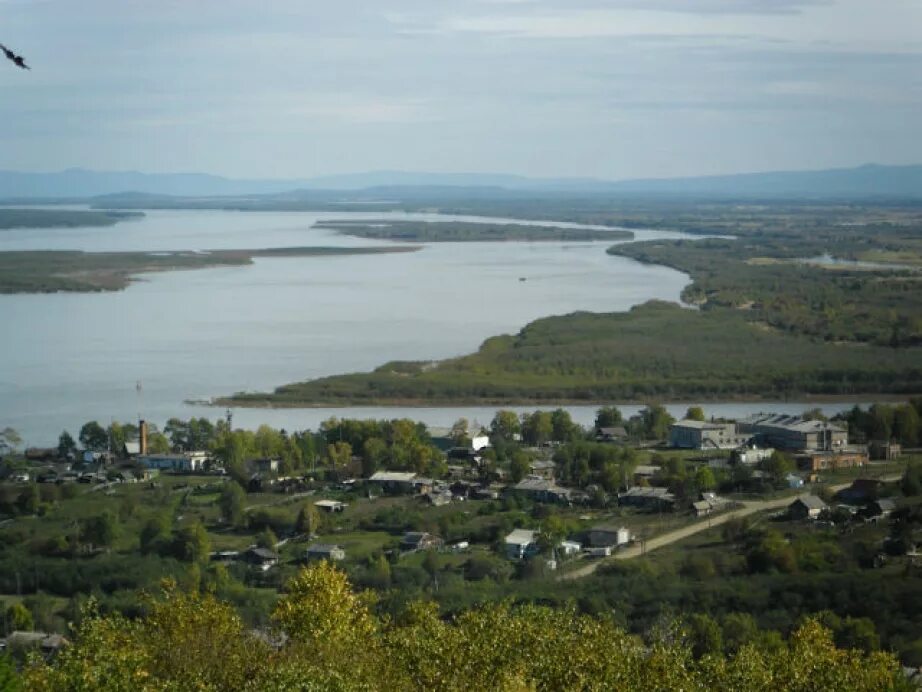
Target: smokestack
(142,433)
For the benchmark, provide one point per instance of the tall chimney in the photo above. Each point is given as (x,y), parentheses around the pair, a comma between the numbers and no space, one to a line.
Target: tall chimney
(142,433)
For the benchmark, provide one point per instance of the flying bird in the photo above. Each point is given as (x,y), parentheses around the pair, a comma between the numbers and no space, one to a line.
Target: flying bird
(18,59)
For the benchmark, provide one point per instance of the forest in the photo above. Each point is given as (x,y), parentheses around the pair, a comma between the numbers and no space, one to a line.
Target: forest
(325,636)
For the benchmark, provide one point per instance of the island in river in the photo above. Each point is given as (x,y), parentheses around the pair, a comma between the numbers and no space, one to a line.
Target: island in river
(50,271)
(469,232)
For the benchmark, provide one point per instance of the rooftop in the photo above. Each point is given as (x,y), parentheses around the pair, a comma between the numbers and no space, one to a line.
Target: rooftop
(521,537)
(393,476)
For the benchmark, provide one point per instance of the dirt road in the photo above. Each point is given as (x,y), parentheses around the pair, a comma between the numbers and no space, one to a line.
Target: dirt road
(638,549)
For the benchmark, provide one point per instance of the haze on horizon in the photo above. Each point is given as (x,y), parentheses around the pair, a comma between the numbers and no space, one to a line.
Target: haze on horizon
(602,88)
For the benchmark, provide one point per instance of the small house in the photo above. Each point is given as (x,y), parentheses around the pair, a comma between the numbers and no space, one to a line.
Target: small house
(261,558)
(608,535)
(393,481)
(521,544)
(880,509)
(325,551)
(616,433)
(650,499)
(414,541)
(569,548)
(330,506)
(806,507)
(542,469)
(541,490)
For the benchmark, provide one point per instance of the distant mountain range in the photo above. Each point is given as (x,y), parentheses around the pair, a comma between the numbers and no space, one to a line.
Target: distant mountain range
(862,182)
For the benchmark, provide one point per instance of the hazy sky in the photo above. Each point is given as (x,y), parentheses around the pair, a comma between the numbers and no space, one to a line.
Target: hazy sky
(604,88)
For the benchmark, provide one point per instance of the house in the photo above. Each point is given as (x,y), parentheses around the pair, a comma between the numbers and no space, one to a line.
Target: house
(393,481)
(325,551)
(487,492)
(20,640)
(131,449)
(751,455)
(521,544)
(541,490)
(599,551)
(330,506)
(880,509)
(644,472)
(794,481)
(438,499)
(261,558)
(708,504)
(806,507)
(609,534)
(831,460)
(569,548)
(616,433)
(793,432)
(542,469)
(479,442)
(263,466)
(696,434)
(178,463)
(650,499)
(884,450)
(413,541)
(41,453)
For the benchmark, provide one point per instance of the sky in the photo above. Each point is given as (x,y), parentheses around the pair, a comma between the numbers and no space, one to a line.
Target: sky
(547,88)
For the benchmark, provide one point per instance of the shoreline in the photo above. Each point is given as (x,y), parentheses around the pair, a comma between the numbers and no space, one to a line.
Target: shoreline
(230,402)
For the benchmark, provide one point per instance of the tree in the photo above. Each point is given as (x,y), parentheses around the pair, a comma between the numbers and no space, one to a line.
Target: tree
(18,617)
(308,521)
(9,439)
(339,453)
(705,634)
(505,425)
(231,503)
(374,453)
(704,479)
(94,437)
(694,413)
(66,445)
(608,417)
(537,428)
(157,443)
(655,422)
(267,539)
(99,530)
(563,429)
(459,433)
(191,543)
(519,466)
(155,535)
(778,465)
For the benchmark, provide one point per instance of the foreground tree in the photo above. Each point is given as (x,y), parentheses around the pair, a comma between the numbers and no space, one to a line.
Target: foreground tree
(328,638)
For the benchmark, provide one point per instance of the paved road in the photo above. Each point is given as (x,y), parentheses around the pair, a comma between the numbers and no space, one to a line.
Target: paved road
(670,537)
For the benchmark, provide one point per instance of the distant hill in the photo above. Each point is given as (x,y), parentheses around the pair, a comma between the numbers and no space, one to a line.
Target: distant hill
(871,180)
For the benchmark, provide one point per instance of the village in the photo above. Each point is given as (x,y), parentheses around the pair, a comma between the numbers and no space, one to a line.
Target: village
(699,471)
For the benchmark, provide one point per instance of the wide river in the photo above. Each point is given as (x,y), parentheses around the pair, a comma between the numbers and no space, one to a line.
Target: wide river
(67,358)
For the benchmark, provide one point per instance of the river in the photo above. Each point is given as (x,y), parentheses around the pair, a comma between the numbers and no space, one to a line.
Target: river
(191,335)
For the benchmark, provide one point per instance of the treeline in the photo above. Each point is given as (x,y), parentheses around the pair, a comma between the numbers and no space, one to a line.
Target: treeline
(885,422)
(324,636)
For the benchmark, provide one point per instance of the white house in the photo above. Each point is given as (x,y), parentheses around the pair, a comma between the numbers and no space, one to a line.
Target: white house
(479,442)
(568,548)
